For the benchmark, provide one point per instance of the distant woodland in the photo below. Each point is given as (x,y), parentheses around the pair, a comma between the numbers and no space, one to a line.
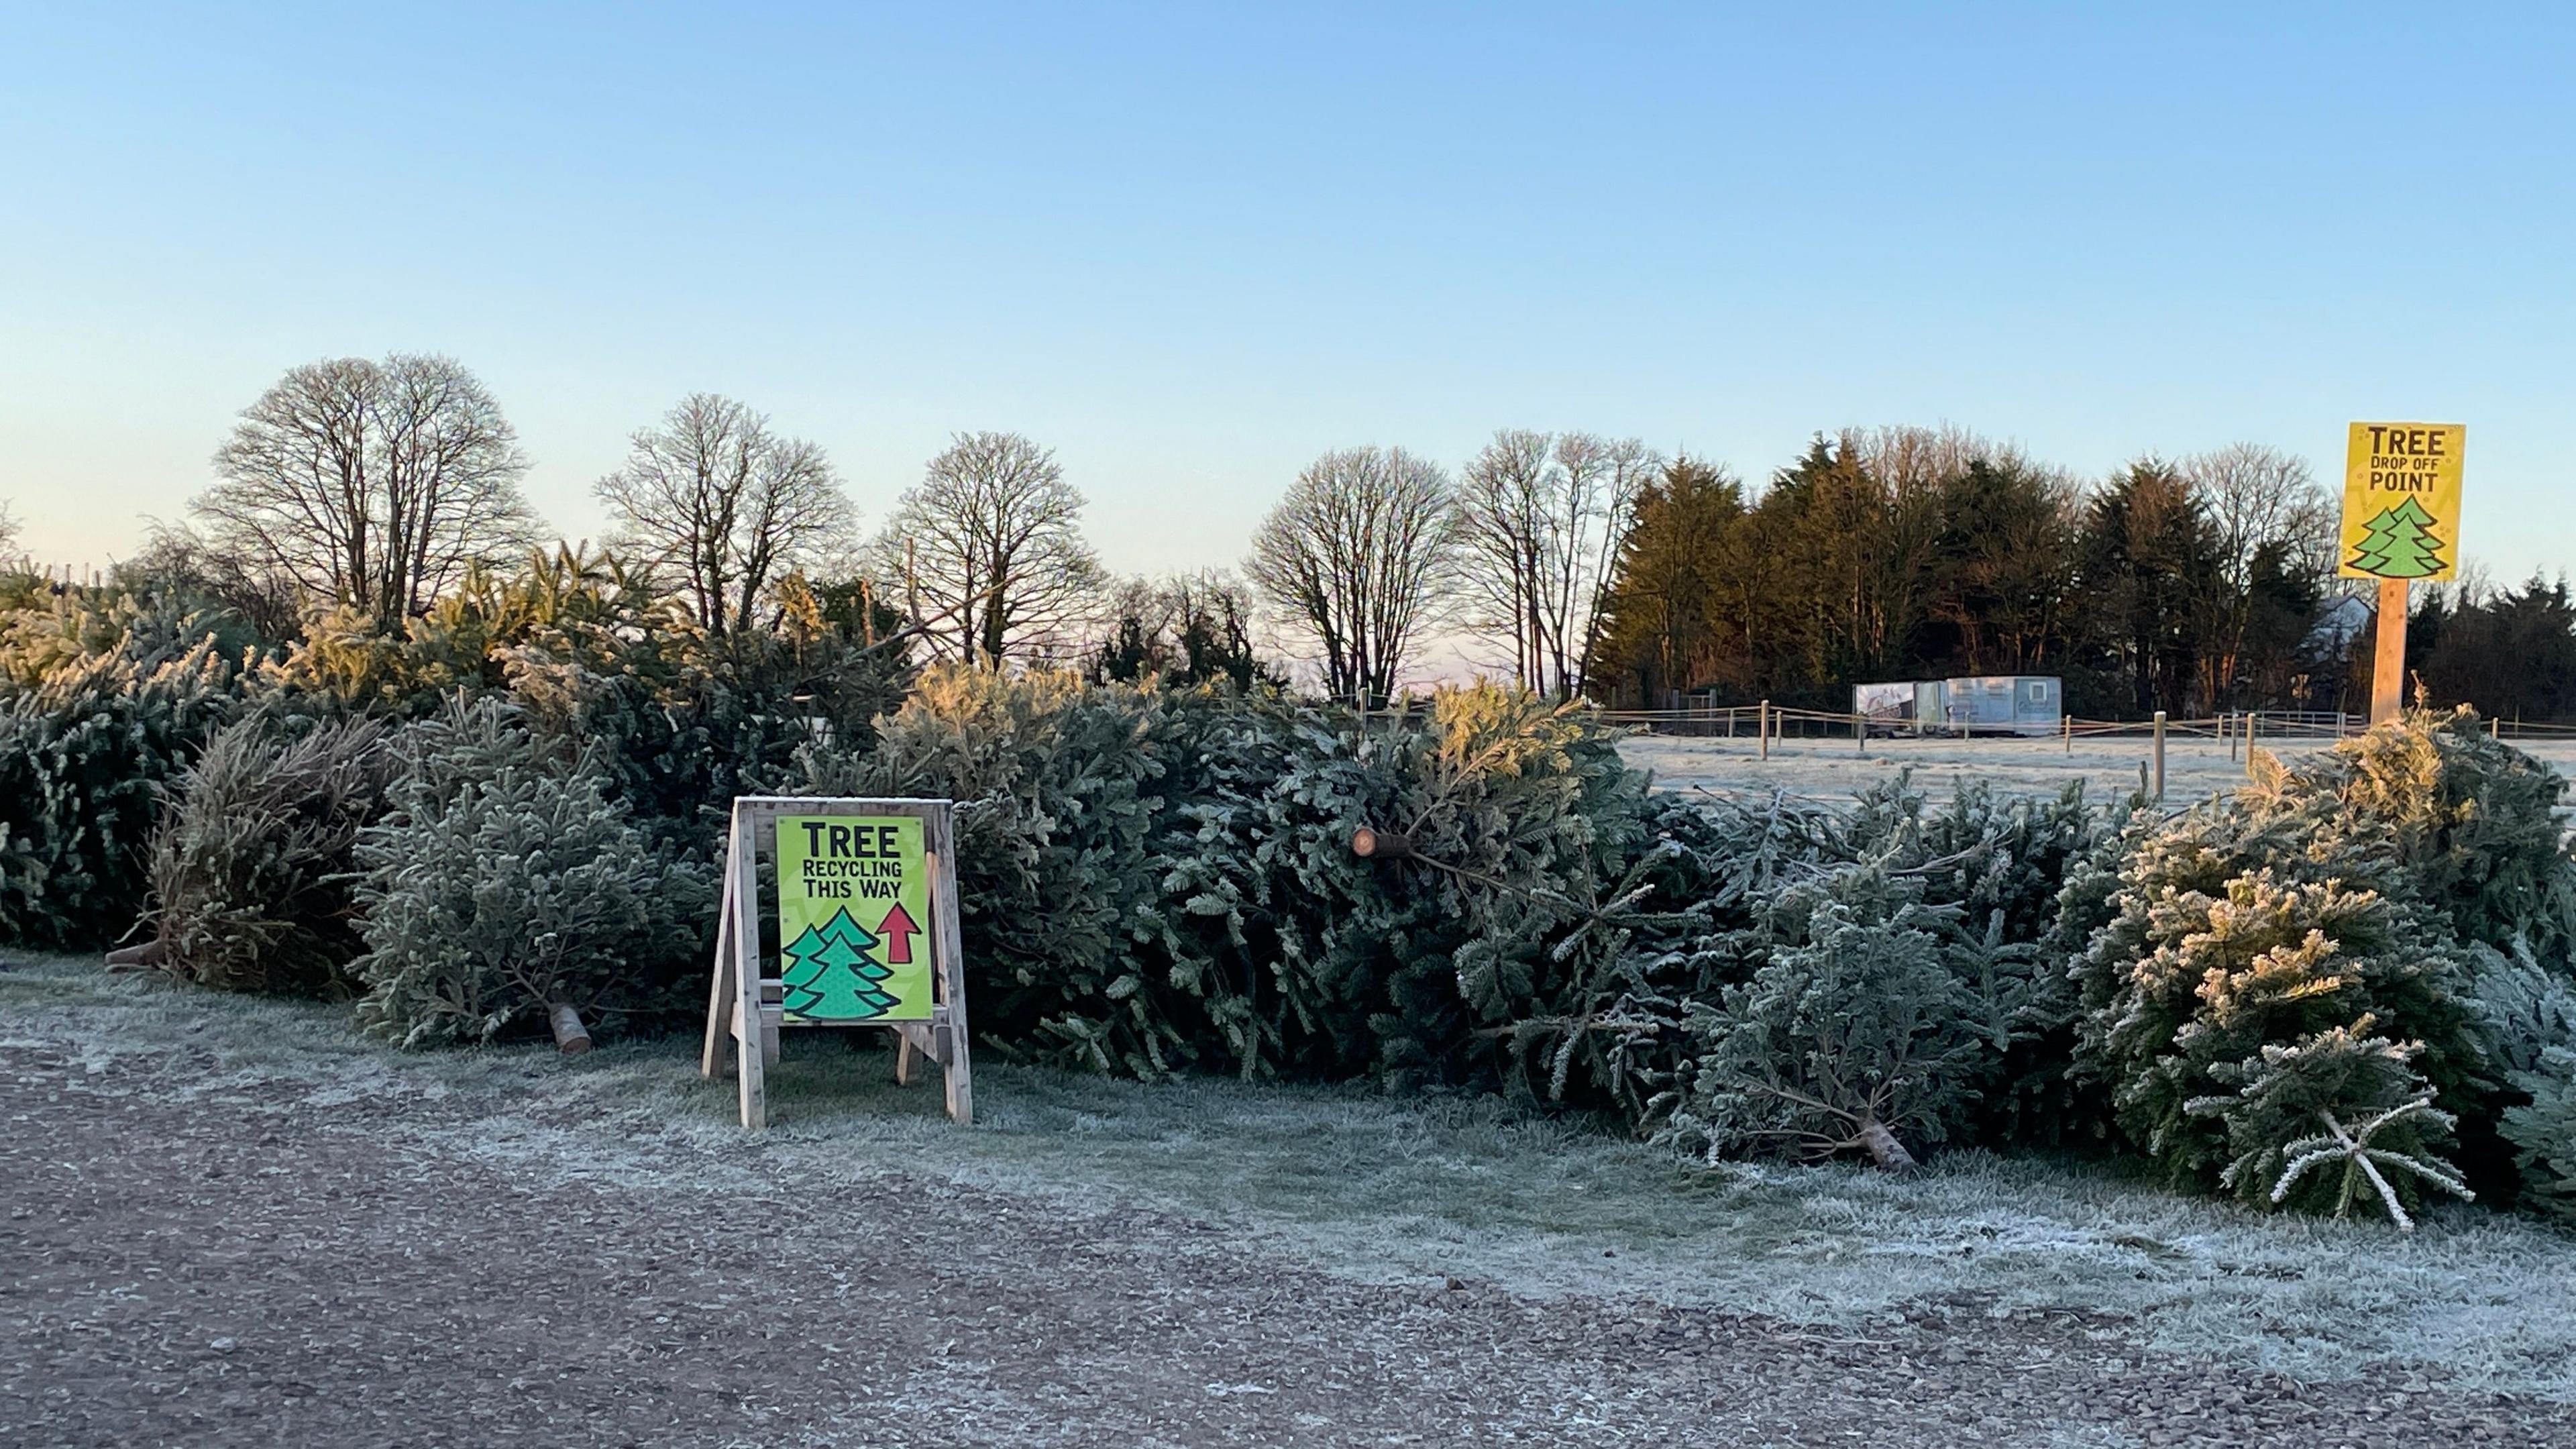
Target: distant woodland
(357,497)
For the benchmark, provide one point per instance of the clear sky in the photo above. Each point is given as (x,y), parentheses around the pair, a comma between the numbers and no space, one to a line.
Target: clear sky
(1192,247)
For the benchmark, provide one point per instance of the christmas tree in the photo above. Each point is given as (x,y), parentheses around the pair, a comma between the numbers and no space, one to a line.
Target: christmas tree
(2399,544)
(830,976)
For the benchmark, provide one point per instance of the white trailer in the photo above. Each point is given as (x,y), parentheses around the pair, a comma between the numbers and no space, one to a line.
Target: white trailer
(1899,705)
(2004,704)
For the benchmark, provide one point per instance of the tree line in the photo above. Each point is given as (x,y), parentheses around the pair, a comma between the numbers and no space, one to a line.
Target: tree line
(2193,585)
(1574,564)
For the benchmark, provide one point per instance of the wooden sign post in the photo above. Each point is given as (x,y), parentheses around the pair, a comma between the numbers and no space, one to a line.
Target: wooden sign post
(2401,522)
(867,936)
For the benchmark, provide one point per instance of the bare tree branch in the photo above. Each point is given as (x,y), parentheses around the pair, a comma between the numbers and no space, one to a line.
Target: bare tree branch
(372,484)
(992,537)
(711,494)
(1540,519)
(1358,556)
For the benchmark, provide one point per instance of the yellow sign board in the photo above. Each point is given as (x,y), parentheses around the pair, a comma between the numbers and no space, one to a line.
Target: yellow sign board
(2401,501)
(853,897)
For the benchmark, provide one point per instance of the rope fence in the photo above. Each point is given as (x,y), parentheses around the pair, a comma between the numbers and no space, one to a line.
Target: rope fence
(1765,723)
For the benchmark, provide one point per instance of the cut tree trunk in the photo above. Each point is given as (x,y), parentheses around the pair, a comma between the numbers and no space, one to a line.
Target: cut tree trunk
(1884,1149)
(1370,843)
(571,1037)
(147,953)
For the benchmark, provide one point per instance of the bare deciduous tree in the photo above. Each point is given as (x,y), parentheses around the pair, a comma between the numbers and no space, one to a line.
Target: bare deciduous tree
(8,530)
(374,484)
(1540,519)
(2258,495)
(183,570)
(991,540)
(2267,512)
(1357,557)
(1193,628)
(713,494)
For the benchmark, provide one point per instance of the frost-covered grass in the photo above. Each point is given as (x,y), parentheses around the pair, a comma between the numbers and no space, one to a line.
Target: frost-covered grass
(1402,1189)
(2195,768)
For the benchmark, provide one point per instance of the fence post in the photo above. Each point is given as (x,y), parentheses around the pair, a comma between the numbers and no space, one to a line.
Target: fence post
(2158,793)
(2227,734)
(1762,728)
(1860,732)
(2066,727)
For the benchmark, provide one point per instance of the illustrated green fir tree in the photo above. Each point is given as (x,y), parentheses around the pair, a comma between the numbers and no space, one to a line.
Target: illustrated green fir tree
(830,976)
(2399,544)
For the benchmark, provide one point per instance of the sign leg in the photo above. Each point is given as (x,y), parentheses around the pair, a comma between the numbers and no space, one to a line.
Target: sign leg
(751,1050)
(720,989)
(951,967)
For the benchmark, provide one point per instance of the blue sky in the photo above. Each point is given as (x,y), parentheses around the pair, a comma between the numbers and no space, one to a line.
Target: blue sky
(1193,247)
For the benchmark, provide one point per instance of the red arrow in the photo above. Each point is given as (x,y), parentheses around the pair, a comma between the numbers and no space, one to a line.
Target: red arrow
(897,928)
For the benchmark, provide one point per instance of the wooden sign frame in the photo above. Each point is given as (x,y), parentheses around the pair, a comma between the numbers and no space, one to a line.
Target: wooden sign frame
(744,1006)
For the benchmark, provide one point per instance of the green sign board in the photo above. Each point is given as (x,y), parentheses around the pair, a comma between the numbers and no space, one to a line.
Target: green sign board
(853,908)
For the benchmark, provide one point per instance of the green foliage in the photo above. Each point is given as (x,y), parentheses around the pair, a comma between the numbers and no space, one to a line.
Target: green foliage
(49,635)
(1153,880)
(2511,651)
(83,754)
(2528,1009)
(2378,887)
(1859,1034)
(504,877)
(2468,823)
(2332,1119)
(2347,984)
(251,865)
(2542,1130)
(679,719)
(2226,942)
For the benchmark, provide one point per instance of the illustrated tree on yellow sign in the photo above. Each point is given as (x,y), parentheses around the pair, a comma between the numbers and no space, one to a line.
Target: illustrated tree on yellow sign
(2399,543)
(832,975)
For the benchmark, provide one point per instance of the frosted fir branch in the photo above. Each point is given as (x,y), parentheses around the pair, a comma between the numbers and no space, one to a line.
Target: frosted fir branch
(2353,1149)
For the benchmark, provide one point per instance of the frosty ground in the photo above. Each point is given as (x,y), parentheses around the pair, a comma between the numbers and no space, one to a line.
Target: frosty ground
(230,1221)
(2196,767)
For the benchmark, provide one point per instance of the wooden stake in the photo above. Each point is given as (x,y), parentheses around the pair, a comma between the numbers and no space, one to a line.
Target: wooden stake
(2159,792)
(2388,659)
(1762,728)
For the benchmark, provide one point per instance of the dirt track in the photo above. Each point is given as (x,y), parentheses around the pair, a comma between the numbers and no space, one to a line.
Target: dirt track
(185,1266)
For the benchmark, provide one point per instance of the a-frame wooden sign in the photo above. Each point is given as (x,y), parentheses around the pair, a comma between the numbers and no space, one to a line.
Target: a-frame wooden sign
(867,936)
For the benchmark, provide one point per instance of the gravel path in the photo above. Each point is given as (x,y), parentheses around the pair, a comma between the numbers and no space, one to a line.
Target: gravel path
(187,1266)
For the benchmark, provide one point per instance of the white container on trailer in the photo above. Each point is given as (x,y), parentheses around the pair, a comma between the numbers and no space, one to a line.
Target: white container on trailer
(1898,705)
(2017,704)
